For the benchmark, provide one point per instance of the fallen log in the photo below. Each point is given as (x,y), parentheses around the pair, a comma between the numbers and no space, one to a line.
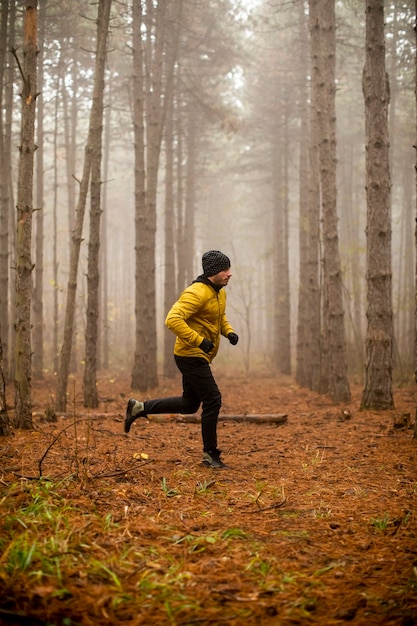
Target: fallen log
(273,418)
(267,418)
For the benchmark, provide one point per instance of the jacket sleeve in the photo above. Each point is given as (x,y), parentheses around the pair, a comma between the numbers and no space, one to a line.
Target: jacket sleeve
(187,305)
(225,327)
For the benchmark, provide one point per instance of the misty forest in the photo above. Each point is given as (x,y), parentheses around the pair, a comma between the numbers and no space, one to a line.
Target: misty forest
(135,136)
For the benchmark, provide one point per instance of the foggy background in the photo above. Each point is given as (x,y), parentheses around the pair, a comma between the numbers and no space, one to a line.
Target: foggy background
(243,62)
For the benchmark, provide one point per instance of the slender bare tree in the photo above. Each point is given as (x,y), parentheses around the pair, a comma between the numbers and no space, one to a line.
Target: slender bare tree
(38,334)
(55,263)
(104,341)
(337,384)
(153,66)
(70,102)
(415,227)
(4,418)
(281,287)
(140,192)
(377,393)
(94,129)
(91,333)
(313,279)
(7,175)
(304,367)
(7,27)
(24,266)
(170,289)
(4,199)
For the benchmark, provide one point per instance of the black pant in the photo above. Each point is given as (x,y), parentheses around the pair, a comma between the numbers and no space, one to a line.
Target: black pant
(198,386)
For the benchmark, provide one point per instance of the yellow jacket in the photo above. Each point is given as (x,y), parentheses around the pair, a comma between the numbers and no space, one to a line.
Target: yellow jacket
(199,313)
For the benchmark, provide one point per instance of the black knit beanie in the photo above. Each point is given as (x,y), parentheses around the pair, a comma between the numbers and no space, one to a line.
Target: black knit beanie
(214,262)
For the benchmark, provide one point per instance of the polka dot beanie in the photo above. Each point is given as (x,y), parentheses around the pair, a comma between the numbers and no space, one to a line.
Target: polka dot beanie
(214,262)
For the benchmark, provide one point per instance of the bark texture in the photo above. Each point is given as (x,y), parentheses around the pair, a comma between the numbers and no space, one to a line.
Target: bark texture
(334,349)
(377,393)
(91,333)
(24,266)
(4,418)
(4,187)
(415,230)
(38,326)
(313,331)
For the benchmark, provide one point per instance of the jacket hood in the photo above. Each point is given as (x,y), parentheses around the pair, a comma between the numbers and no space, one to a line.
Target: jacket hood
(206,281)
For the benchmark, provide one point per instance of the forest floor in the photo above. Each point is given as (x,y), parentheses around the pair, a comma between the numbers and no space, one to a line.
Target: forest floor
(313,522)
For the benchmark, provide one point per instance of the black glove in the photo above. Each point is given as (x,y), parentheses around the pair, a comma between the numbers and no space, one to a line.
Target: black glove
(233,338)
(206,346)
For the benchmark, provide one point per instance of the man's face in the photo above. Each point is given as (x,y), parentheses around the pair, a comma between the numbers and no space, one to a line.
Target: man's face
(222,278)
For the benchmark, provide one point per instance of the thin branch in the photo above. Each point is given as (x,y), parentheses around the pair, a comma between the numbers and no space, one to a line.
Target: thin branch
(14,53)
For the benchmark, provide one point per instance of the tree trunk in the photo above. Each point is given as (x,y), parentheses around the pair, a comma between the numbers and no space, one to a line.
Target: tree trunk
(400,302)
(403,297)
(354,275)
(285,308)
(91,333)
(145,357)
(377,393)
(303,373)
(333,314)
(55,315)
(180,227)
(7,27)
(24,267)
(4,191)
(151,76)
(97,104)
(191,149)
(70,109)
(169,367)
(312,335)
(65,357)
(415,226)
(4,418)
(103,344)
(9,346)
(282,330)
(38,335)
(139,134)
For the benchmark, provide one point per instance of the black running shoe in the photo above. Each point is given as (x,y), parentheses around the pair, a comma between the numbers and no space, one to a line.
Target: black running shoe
(212,459)
(134,410)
